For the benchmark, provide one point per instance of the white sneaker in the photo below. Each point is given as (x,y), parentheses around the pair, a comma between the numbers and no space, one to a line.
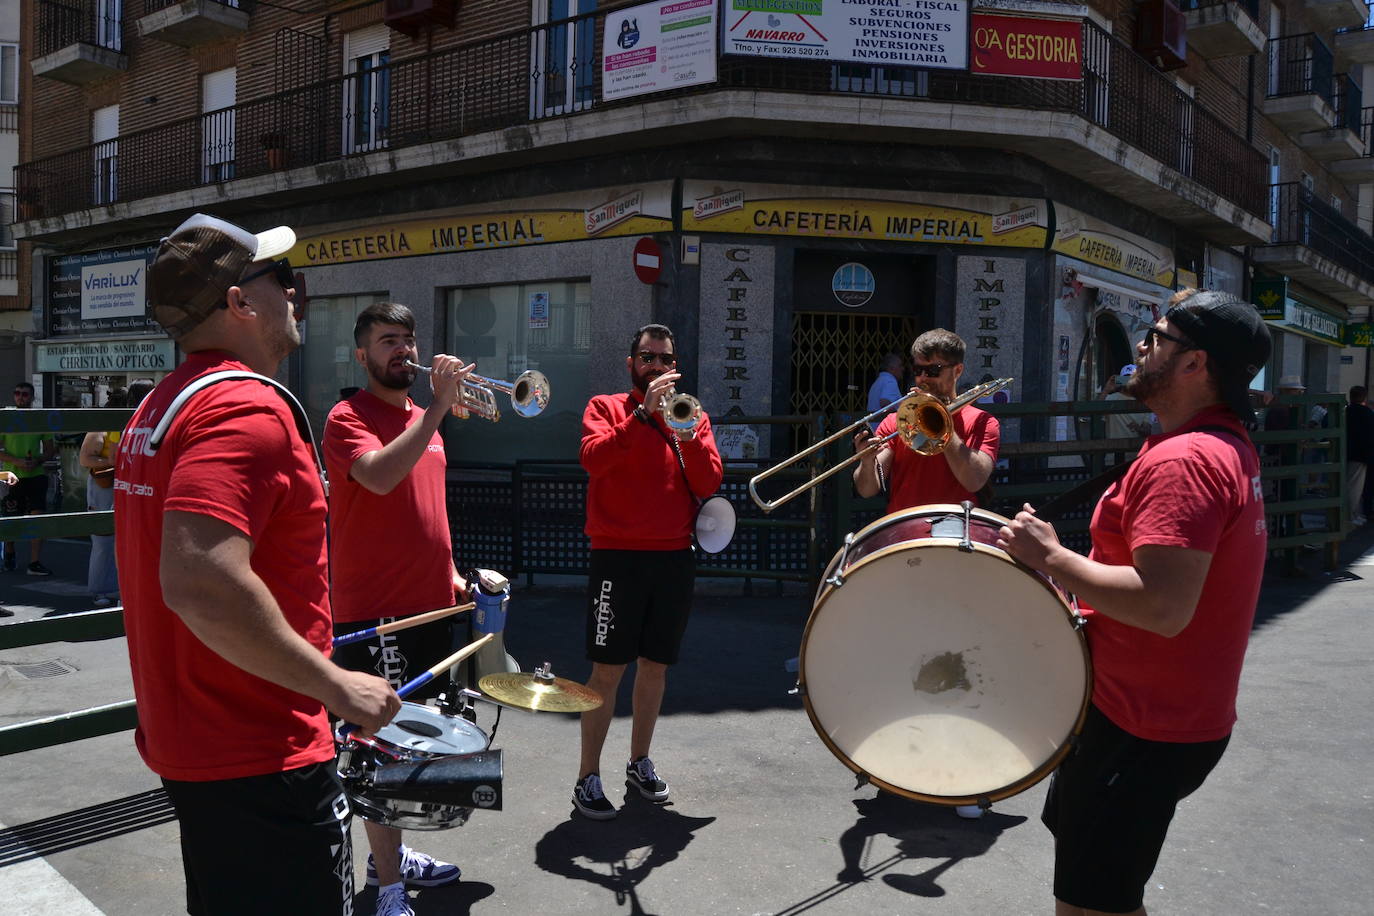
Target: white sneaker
(969,812)
(394,902)
(1358,520)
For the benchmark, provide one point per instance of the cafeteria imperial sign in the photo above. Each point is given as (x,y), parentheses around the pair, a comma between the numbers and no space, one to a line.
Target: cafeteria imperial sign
(112,356)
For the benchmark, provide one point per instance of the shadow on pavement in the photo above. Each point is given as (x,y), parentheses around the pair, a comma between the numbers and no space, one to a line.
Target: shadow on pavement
(922,831)
(620,854)
(51,835)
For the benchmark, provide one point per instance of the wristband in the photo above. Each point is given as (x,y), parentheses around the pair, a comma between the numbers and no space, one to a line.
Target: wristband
(642,415)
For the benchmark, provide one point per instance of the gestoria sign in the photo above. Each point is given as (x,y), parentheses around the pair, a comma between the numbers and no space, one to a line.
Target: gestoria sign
(1050,49)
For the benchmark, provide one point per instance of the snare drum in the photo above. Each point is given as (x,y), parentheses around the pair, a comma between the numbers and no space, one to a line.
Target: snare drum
(417,733)
(937,667)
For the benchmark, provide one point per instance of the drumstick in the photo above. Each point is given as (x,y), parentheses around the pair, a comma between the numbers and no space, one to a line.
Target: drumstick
(408,688)
(406,623)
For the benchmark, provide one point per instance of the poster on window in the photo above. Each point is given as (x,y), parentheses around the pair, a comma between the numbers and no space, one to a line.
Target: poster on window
(99,292)
(539,310)
(658,46)
(929,34)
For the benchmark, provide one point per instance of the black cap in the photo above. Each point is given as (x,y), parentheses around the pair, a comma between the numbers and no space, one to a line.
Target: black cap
(1232,333)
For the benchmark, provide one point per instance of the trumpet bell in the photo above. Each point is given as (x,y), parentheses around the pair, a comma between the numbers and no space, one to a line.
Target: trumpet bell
(529,393)
(681,411)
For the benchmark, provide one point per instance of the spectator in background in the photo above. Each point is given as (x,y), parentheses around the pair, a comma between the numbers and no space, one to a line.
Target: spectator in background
(887,387)
(97,456)
(1359,449)
(23,455)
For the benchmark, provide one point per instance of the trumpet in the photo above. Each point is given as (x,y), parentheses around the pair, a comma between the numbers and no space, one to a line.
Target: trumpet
(529,393)
(924,424)
(680,411)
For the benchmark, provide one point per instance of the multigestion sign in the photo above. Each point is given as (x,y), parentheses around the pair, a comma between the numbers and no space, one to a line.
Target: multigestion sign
(930,34)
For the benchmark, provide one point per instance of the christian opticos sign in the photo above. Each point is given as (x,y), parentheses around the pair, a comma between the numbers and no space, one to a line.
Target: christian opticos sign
(105,356)
(1048,49)
(931,34)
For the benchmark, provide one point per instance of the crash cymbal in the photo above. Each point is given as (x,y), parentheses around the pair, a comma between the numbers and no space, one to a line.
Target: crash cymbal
(539,690)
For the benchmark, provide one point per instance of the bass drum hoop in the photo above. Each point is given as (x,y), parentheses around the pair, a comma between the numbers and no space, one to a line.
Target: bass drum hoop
(825,590)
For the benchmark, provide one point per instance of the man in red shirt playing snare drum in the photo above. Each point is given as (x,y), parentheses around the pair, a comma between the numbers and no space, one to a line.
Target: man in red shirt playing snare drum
(1173,579)
(955,474)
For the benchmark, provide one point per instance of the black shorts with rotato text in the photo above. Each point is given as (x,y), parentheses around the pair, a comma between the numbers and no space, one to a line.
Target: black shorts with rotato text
(638,602)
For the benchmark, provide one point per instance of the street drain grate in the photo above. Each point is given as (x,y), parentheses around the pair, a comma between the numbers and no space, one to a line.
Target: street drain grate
(35,670)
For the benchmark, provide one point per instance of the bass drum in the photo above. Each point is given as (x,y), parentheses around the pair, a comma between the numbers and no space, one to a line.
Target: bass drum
(937,667)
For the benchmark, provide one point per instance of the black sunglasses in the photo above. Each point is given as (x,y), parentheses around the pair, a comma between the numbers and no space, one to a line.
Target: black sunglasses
(280,268)
(1152,333)
(931,371)
(667,359)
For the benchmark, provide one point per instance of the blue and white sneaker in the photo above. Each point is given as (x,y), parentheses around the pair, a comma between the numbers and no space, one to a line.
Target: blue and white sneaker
(641,774)
(394,902)
(419,869)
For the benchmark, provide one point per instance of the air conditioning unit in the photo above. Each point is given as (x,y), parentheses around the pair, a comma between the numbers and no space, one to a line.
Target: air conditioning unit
(1161,34)
(410,16)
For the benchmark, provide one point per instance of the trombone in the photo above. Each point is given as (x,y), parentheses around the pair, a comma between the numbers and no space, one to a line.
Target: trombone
(924,423)
(529,393)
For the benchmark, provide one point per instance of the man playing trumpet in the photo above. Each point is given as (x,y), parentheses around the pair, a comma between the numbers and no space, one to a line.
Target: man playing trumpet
(386,470)
(645,483)
(952,475)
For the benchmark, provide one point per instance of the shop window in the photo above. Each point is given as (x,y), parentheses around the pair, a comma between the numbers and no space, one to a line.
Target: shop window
(327,363)
(506,330)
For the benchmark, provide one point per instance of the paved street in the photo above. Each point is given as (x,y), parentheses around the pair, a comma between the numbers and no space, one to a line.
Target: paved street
(763,819)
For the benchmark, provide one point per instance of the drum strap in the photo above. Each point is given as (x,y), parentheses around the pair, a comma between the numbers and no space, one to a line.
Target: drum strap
(1094,487)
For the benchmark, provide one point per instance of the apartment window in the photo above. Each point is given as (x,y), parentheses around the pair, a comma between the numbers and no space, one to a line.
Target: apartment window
(9,74)
(565,57)
(327,363)
(105,137)
(109,24)
(217,124)
(7,216)
(367,91)
(506,330)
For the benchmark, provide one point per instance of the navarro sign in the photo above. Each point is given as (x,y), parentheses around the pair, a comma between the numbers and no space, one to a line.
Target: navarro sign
(1050,49)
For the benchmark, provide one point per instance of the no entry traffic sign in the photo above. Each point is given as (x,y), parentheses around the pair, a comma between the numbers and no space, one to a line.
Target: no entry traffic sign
(648,260)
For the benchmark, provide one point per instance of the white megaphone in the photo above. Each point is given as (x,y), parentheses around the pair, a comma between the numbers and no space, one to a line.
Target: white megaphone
(715,524)
(490,591)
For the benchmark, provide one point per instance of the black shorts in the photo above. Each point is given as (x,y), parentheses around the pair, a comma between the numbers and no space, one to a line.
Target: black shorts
(401,656)
(278,843)
(638,602)
(30,494)
(1109,808)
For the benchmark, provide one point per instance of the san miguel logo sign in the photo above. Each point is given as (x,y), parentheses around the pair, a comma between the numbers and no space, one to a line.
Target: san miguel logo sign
(1050,49)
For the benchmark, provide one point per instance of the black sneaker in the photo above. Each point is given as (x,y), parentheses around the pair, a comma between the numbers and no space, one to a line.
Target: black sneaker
(6,612)
(590,800)
(38,569)
(640,774)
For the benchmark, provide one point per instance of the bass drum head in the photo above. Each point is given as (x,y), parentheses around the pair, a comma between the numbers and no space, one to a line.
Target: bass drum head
(944,675)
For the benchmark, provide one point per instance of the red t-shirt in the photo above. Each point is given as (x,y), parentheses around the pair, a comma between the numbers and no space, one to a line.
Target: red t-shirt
(392,555)
(636,497)
(233,454)
(920,480)
(1199,490)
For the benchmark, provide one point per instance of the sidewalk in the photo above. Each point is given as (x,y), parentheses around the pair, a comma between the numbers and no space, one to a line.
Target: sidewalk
(763,819)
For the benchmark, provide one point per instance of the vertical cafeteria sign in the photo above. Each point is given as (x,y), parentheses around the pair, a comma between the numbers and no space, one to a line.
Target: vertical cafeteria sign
(657,46)
(929,34)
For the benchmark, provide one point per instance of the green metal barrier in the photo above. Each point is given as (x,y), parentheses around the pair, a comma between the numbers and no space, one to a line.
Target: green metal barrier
(95,624)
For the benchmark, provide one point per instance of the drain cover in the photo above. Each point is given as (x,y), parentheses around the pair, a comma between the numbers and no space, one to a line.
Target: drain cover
(54,667)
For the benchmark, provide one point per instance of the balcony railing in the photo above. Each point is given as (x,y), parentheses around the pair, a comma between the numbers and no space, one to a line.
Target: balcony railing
(1299,64)
(555,70)
(1367,131)
(70,22)
(1347,101)
(152,6)
(1250,6)
(1302,219)
(9,119)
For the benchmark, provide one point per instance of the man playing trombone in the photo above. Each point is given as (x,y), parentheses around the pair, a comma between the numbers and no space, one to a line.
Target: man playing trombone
(646,479)
(387,513)
(952,475)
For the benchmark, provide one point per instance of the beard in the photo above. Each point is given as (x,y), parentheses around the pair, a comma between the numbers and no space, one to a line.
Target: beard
(1150,381)
(285,340)
(395,375)
(642,377)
